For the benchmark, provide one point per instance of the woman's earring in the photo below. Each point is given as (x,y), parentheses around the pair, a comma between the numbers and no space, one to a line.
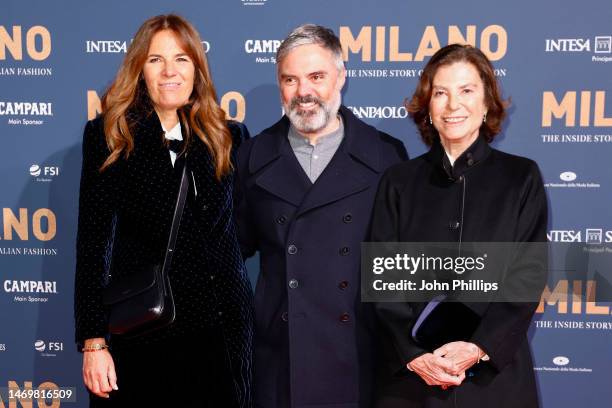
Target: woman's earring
(431,122)
(484,119)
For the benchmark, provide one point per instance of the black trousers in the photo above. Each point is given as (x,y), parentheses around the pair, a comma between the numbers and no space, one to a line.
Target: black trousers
(179,374)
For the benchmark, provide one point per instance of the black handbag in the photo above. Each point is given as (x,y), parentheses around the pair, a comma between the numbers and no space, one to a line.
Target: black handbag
(142,302)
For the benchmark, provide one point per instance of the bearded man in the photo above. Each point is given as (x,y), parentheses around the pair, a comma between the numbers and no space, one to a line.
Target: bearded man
(304,192)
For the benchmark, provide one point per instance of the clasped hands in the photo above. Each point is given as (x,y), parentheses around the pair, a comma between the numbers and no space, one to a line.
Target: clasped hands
(446,366)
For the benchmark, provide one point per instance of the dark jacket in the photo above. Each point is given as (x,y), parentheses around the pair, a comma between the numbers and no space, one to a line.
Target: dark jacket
(487,196)
(313,343)
(125,213)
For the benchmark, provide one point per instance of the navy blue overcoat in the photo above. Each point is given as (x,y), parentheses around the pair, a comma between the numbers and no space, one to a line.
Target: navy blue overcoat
(314,344)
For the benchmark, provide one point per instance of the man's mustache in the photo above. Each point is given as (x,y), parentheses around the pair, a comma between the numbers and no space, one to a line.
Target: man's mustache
(296,100)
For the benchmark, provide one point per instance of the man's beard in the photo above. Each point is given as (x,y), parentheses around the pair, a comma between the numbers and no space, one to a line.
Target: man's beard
(315,119)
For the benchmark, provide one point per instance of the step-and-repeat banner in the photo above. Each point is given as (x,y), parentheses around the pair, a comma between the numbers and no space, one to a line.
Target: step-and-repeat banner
(553,58)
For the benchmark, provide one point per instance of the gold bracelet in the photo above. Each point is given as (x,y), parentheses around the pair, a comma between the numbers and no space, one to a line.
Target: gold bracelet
(94,347)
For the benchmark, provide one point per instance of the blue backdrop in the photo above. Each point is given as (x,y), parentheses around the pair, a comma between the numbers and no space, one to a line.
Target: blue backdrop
(553,59)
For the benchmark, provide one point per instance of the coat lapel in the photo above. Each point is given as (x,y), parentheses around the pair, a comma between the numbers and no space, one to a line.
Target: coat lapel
(148,139)
(342,177)
(275,166)
(351,170)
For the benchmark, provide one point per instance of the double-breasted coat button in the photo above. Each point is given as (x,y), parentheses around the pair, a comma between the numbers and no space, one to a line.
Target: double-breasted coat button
(204,207)
(459,179)
(344,251)
(348,217)
(281,220)
(293,283)
(285,317)
(292,249)
(453,225)
(343,285)
(470,162)
(344,317)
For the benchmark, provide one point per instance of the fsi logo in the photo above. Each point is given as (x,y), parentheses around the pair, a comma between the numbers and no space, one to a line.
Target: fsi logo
(44,173)
(48,349)
(2,347)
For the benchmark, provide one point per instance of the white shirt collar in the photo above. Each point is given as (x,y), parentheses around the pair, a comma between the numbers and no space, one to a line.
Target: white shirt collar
(174,133)
(450,159)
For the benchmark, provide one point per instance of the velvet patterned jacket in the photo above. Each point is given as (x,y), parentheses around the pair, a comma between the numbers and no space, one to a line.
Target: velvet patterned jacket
(125,214)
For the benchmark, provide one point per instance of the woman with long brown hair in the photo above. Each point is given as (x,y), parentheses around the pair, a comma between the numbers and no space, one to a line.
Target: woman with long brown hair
(161,126)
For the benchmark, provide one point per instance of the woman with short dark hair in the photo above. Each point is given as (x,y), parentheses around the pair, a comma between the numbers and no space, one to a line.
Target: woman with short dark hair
(462,190)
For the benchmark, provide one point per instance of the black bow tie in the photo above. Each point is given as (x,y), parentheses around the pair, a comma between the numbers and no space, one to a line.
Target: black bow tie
(175,145)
